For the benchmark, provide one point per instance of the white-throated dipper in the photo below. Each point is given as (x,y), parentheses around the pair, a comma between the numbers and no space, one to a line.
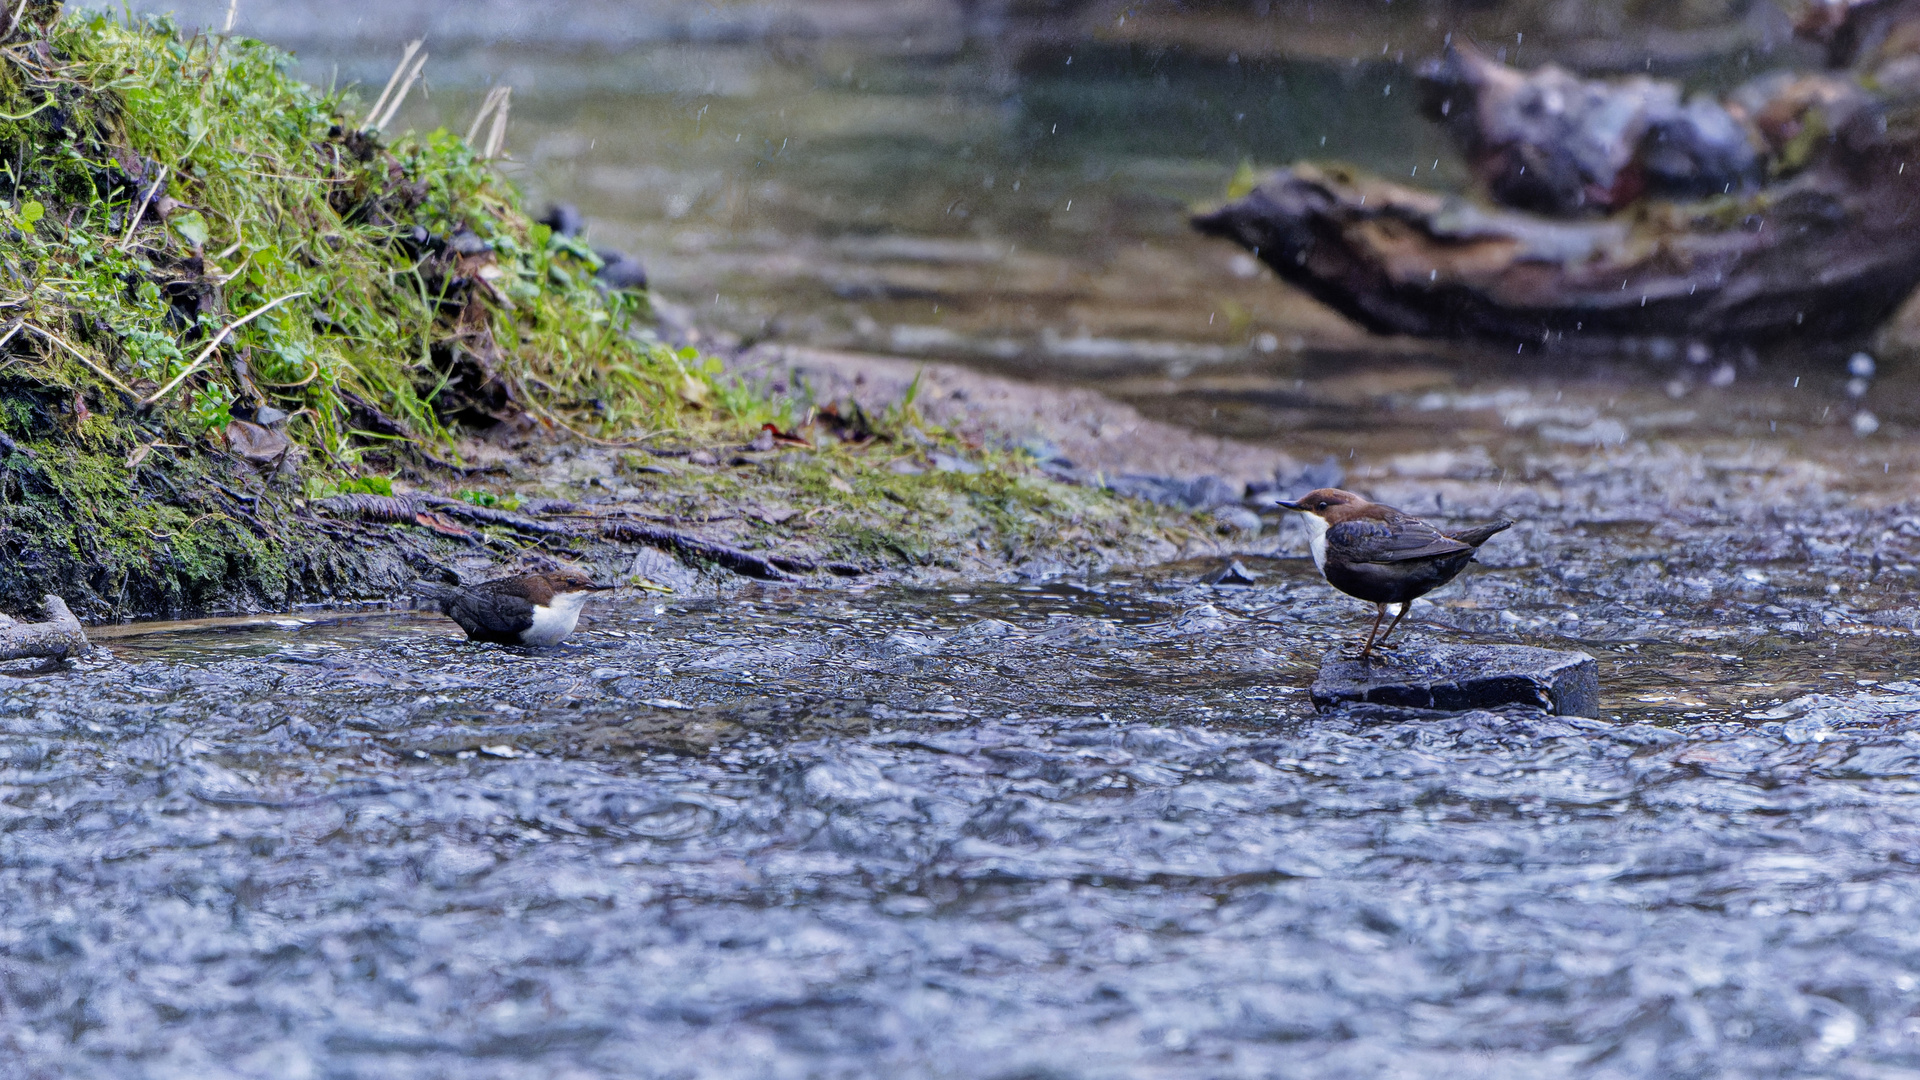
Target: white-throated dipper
(1381,555)
(530,609)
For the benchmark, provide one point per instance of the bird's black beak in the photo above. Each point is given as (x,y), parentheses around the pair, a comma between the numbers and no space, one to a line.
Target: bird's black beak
(604,588)
(1285,505)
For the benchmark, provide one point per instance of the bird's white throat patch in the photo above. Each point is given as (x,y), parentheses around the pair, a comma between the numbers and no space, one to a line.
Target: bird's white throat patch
(1317,539)
(554,621)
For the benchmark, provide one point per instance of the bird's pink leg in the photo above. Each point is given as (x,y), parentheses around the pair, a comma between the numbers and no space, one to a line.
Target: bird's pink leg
(1367,650)
(1404,608)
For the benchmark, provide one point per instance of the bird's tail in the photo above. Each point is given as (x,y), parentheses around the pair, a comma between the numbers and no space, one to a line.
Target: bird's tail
(431,595)
(1480,534)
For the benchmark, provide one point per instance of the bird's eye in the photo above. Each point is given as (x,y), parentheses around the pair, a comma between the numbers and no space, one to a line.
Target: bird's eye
(1322,506)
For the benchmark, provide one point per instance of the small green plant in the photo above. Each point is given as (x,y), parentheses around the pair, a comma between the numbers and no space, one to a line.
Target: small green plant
(906,411)
(1243,181)
(366,485)
(489,500)
(211,410)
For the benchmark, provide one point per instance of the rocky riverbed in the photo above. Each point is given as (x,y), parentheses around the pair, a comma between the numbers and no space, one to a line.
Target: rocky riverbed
(1077,826)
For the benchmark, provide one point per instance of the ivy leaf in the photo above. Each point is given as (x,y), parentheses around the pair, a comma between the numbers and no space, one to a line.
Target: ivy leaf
(192,226)
(31,213)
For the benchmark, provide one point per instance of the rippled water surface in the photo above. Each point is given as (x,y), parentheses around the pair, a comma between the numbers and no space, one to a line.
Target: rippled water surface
(1059,829)
(1050,827)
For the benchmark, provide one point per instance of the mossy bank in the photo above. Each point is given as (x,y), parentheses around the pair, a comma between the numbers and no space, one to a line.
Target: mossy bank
(229,300)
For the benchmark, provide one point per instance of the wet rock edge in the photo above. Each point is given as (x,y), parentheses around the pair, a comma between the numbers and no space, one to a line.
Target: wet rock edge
(1462,678)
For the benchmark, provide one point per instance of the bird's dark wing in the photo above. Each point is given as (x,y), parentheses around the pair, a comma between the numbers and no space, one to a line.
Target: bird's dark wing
(1369,541)
(489,615)
(1480,534)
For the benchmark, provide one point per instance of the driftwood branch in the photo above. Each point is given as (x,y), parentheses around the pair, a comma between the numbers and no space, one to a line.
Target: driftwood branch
(1694,245)
(61,635)
(1830,253)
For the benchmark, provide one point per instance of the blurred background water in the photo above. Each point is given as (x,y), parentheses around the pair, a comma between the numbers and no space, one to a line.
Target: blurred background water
(1007,183)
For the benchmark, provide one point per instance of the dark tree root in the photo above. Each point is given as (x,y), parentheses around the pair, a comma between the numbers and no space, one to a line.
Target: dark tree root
(406,510)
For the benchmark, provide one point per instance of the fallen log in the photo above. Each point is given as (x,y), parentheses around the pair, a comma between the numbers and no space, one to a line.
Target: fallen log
(1827,254)
(61,635)
(1824,251)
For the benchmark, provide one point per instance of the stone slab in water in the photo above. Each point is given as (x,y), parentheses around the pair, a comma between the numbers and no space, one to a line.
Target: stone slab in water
(1456,678)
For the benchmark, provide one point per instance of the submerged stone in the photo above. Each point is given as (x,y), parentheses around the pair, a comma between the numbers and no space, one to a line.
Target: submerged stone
(1458,678)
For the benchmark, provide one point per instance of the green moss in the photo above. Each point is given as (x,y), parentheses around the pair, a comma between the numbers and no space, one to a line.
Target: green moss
(188,235)
(70,525)
(273,194)
(1799,151)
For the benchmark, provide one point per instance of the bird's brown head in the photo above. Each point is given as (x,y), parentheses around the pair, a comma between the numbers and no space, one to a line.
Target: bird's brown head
(559,583)
(1330,504)
(567,581)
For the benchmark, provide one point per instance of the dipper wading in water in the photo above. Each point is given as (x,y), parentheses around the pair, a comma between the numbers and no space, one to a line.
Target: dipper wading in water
(531,609)
(1381,555)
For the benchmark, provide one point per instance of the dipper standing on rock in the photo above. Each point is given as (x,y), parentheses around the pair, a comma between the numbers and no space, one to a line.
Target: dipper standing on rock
(1381,555)
(532,609)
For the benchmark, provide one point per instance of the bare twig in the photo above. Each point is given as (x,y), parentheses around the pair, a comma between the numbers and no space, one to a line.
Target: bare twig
(152,189)
(13,22)
(518,522)
(233,8)
(392,509)
(83,358)
(684,545)
(497,135)
(215,344)
(496,105)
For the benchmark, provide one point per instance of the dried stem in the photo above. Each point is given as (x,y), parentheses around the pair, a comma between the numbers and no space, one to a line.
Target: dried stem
(13,20)
(82,357)
(158,182)
(385,116)
(215,343)
(380,102)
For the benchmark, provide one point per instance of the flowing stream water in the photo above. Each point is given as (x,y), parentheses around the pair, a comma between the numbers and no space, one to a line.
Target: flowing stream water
(1078,828)
(1053,826)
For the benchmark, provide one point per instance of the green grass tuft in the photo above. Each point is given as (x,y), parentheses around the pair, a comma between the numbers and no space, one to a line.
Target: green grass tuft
(412,296)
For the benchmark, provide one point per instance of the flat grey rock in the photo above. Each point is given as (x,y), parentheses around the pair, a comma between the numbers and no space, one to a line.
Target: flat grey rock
(1458,678)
